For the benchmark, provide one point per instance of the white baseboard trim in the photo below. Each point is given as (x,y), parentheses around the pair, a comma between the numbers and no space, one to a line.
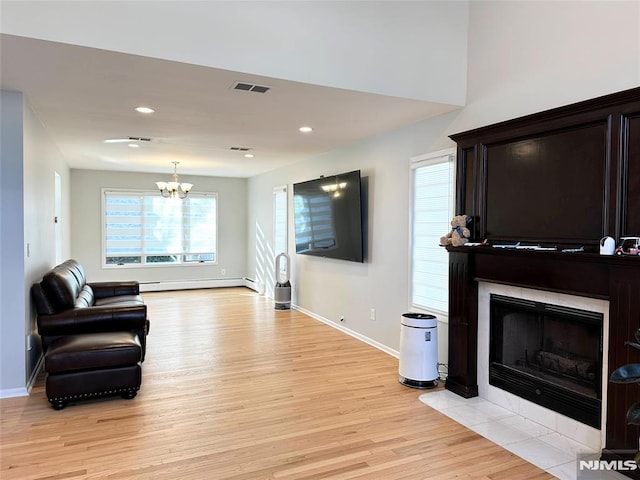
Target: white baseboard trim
(342,328)
(251,283)
(14,392)
(24,391)
(192,284)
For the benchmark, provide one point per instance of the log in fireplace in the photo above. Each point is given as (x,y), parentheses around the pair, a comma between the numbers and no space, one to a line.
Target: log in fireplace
(548,354)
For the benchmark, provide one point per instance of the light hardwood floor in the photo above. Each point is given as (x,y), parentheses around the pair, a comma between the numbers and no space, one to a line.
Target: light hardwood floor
(232,389)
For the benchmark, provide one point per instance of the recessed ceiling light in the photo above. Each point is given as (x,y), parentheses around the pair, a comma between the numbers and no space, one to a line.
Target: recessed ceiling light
(144,110)
(133,145)
(248,155)
(305,129)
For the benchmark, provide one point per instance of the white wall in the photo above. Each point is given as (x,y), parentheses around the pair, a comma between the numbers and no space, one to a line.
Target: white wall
(524,57)
(12,313)
(391,48)
(86,230)
(334,288)
(41,160)
(29,159)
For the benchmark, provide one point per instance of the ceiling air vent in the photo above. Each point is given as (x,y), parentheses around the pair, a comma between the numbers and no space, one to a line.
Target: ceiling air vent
(240,149)
(249,87)
(127,140)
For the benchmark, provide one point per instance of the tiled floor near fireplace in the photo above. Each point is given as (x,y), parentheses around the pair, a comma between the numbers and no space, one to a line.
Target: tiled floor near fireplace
(529,440)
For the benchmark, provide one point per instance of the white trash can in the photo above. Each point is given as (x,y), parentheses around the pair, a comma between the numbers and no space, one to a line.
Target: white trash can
(418,350)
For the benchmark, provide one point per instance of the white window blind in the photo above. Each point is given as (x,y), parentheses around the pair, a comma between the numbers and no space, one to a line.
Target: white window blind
(432,209)
(280,220)
(315,222)
(144,228)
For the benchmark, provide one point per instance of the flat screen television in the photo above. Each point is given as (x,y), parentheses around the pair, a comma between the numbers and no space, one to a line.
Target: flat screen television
(328,217)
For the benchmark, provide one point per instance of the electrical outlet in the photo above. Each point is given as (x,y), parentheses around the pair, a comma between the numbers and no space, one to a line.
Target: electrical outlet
(223,271)
(372,315)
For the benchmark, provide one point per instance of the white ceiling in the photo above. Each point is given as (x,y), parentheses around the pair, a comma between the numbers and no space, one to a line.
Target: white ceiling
(85,95)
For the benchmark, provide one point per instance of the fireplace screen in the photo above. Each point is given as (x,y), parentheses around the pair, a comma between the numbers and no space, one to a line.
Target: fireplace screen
(548,354)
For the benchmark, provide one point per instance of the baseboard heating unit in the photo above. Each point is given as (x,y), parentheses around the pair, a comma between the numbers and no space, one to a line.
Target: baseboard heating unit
(195,284)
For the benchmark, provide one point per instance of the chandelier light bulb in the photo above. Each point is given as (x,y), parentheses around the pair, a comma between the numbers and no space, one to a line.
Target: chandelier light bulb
(174,189)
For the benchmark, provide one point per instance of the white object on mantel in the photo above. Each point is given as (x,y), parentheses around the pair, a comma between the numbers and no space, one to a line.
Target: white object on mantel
(607,246)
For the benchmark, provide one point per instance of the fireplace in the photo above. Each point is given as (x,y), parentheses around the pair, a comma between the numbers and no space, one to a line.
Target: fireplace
(567,270)
(548,354)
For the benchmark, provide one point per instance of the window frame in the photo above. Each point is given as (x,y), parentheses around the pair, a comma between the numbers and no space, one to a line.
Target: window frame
(433,158)
(147,192)
(282,189)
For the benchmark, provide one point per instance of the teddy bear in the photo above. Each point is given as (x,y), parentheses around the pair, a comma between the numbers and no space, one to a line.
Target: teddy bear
(459,234)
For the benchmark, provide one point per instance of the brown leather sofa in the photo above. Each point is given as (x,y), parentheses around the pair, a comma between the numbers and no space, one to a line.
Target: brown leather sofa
(67,305)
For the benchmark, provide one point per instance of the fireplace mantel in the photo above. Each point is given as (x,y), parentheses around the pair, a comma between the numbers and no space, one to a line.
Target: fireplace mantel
(612,278)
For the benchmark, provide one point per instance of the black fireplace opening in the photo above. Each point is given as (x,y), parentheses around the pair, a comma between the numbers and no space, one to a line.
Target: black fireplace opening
(548,354)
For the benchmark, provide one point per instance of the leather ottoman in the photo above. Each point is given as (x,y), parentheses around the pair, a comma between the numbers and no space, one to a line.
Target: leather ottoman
(92,365)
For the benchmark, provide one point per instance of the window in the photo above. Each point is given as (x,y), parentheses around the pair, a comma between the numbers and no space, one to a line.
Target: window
(143,228)
(432,209)
(314,222)
(280,214)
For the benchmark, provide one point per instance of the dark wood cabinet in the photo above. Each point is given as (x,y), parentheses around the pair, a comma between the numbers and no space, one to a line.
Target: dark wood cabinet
(565,177)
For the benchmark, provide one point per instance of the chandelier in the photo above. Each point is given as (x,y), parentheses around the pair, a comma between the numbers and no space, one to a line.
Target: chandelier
(174,189)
